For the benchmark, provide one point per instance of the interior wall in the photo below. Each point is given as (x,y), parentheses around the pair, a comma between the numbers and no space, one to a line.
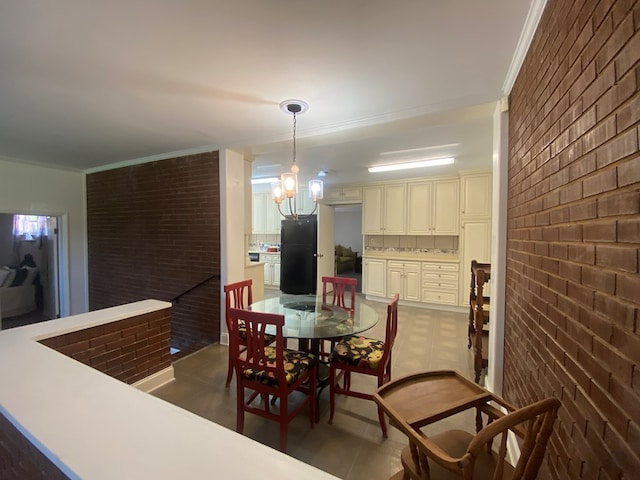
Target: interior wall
(348,228)
(572,327)
(38,190)
(154,232)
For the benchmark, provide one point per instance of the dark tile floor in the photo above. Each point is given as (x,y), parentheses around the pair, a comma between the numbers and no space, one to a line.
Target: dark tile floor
(352,448)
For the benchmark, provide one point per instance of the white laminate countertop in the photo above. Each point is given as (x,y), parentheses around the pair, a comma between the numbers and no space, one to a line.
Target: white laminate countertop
(416,256)
(93,426)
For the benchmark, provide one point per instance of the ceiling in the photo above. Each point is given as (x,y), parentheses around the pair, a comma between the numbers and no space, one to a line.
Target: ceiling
(85,85)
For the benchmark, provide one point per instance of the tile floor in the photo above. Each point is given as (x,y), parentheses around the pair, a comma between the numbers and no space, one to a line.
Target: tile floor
(352,448)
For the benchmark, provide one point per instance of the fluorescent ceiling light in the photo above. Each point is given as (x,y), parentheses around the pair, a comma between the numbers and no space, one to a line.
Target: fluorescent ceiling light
(417,164)
(258,181)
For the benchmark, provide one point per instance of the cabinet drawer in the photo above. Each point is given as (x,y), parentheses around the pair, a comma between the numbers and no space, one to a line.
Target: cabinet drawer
(435,296)
(403,265)
(443,285)
(440,267)
(434,276)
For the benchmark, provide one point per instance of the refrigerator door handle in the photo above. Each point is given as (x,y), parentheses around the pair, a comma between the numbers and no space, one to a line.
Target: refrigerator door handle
(318,255)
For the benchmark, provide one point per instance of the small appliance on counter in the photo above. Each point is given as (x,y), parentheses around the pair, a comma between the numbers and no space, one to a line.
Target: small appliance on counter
(254,256)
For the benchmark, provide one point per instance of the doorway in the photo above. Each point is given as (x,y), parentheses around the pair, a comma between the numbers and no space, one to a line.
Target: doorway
(29,290)
(348,233)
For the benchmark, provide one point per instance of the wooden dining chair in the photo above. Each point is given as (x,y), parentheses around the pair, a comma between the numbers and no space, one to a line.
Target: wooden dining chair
(237,295)
(367,356)
(340,292)
(270,370)
(452,454)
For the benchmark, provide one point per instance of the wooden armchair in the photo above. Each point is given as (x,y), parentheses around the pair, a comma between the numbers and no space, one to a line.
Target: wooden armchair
(456,453)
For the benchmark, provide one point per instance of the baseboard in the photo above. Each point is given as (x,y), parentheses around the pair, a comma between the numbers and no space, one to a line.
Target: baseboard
(158,379)
(224,339)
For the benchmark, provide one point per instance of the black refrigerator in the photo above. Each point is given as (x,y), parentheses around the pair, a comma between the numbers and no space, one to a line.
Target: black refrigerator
(298,260)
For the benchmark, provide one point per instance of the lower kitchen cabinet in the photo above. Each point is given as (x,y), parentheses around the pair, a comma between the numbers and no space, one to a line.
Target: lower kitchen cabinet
(440,283)
(271,268)
(403,278)
(375,274)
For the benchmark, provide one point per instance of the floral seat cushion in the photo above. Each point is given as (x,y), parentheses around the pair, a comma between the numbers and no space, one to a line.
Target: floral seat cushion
(296,364)
(359,351)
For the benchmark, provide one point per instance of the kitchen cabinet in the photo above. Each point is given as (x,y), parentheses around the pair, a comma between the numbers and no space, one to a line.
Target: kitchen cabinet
(440,283)
(403,278)
(374,277)
(433,207)
(383,209)
(271,268)
(475,195)
(342,194)
(265,215)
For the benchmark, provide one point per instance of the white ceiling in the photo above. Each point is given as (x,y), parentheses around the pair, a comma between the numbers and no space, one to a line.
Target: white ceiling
(85,84)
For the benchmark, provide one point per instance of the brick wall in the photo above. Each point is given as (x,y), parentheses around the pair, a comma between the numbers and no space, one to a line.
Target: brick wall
(20,459)
(128,350)
(153,232)
(573,286)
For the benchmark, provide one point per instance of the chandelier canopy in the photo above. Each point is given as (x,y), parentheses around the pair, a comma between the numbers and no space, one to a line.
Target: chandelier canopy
(286,190)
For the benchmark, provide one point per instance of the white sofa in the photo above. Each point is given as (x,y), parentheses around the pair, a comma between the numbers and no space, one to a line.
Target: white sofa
(17,291)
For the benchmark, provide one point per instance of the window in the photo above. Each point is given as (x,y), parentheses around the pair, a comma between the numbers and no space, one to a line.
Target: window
(29,227)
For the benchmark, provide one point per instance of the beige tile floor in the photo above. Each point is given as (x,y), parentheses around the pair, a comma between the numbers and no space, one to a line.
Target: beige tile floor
(352,448)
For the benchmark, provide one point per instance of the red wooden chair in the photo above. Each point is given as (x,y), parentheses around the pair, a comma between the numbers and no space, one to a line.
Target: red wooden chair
(342,293)
(237,295)
(270,370)
(368,356)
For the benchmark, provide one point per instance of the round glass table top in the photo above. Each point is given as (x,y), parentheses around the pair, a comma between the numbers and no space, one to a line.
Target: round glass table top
(306,316)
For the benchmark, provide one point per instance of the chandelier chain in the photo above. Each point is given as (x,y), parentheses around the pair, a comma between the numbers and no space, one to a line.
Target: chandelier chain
(294,137)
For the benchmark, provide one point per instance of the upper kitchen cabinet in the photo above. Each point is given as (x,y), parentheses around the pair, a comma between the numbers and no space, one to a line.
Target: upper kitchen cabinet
(340,195)
(265,218)
(384,209)
(476,195)
(433,207)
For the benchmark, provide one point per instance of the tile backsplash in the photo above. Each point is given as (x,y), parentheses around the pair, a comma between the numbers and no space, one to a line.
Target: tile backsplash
(444,244)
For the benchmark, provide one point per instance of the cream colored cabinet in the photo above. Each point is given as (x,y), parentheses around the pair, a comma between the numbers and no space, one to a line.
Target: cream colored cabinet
(475,244)
(383,209)
(271,268)
(475,225)
(374,276)
(403,278)
(475,195)
(440,283)
(342,195)
(433,207)
(265,216)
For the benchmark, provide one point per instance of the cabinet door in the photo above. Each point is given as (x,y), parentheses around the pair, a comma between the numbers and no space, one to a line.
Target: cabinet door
(352,194)
(375,275)
(273,216)
(267,273)
(275,272)
(259,215)
(372,210)
(419,216)
(412,284)
(446,218)
(394,209)
(395,278)
(476,195)
(475,244)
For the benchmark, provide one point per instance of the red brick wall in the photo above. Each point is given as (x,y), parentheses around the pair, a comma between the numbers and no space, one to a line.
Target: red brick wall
(20,459)
(153,232)
(573,286)
(128,350)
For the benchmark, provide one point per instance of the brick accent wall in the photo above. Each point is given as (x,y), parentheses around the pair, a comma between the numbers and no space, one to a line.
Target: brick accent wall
(128,350)
(572,327)
(153,232)
(20,459)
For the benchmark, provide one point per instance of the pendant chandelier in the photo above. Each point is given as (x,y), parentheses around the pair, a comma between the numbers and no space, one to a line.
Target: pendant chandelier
(286,190)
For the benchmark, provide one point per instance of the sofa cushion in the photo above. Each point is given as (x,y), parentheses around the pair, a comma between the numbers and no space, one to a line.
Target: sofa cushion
(4,275)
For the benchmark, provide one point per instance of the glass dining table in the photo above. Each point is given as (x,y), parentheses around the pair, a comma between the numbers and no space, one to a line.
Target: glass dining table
(307,317)
(310,320)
